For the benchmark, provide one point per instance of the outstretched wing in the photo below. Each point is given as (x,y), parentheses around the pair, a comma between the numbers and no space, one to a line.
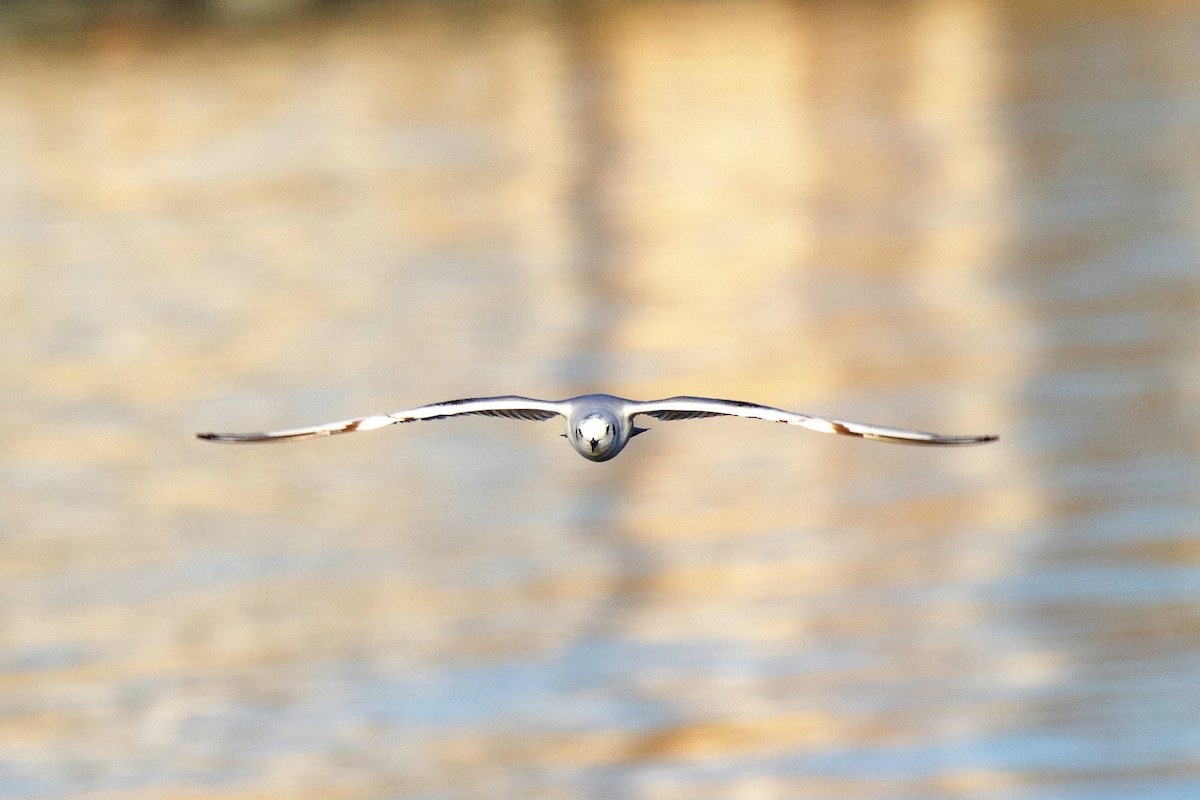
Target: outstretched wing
(509,406)
(674,408)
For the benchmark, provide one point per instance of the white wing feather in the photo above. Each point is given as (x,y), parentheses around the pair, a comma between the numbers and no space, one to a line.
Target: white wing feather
(674,408)
(508,406)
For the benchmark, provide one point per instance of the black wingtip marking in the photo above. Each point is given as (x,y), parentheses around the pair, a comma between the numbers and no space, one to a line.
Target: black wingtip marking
(255,438)
(236,438)
(984,439)
(226,437)
(934,439)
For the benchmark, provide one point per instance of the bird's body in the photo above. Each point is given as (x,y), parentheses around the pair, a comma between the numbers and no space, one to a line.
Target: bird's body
(599,426)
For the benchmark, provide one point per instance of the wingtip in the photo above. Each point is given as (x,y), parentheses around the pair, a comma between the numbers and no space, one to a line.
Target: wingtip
(985,438)
(228,437)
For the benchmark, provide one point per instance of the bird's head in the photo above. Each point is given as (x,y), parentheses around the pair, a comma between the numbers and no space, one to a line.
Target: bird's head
(595,437)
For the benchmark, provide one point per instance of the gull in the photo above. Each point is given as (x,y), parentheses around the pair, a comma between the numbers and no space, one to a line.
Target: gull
(599,426)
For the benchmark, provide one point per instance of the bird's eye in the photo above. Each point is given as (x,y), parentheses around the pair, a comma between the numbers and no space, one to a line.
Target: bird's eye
(607,430)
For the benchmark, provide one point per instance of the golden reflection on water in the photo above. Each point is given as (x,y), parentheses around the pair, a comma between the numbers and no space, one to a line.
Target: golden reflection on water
(953,216)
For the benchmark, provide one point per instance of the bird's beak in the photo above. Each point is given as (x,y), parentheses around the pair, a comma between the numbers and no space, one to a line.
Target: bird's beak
(594,443)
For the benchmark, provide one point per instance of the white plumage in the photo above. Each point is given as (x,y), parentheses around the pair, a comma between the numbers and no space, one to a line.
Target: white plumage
(600,425)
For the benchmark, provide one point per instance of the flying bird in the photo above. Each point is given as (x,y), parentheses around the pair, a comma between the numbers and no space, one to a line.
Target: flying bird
(599,426)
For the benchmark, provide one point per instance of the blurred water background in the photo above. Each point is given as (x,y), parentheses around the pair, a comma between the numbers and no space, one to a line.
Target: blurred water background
(960,216)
